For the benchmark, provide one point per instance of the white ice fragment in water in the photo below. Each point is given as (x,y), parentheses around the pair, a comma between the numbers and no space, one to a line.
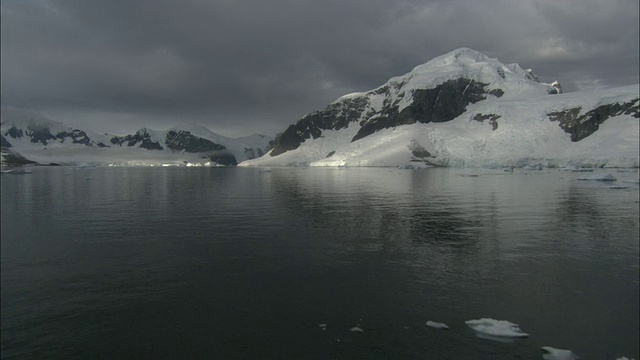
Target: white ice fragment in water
(356,329)
(576,169)
(437,325)
(606,177)
(557,354)
(624,358)
(496,328)
(322,326)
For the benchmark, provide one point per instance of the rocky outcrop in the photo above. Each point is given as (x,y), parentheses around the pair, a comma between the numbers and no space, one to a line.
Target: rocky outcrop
(223,158)
(184,141)
(14,132)
(141,137)
(555,88)
(77,137)
(336,116)
(5,143)
(493,119)
(443,103)
(39,134)
(581,126)
(12,158)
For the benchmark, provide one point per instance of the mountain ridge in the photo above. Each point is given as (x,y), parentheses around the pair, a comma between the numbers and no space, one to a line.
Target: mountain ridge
(38,138)
(477,100)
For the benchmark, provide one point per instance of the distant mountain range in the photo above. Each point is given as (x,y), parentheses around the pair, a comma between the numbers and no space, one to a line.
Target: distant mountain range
(466,109)
(28,137)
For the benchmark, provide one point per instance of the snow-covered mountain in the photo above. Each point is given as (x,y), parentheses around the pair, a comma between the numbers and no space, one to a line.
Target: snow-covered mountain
(465,109)
(45,141)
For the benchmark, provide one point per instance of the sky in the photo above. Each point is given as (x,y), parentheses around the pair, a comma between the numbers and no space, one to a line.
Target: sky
(241,67)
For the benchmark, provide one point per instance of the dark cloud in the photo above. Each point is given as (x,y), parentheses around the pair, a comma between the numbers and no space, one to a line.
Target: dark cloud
(248,66)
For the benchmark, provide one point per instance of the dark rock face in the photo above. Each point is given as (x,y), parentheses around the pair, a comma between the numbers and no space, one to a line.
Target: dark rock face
(12,158)
(40,134)
(14,132)
(417,150)
(5,142)
(581,126)
(336,116)
(493,119)
(76,136)
(184,140)
(224,158)
(141,136)
(443,103)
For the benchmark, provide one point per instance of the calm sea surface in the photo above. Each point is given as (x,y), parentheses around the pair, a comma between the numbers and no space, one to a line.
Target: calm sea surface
(238,263)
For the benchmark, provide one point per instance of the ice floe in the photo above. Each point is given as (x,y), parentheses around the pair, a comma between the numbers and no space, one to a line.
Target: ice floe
(437,325)
(356,329)
(496,329)
(322,326)
(557,354)
(576,169)
(599,177)
(16,172)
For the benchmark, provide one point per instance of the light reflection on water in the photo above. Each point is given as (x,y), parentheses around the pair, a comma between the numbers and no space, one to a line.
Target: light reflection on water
(245,263)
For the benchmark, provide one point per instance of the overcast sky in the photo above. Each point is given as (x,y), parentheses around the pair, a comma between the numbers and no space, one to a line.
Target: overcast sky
(250,66)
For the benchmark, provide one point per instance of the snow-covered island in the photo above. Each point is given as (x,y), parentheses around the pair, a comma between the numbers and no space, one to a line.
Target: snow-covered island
(466,109)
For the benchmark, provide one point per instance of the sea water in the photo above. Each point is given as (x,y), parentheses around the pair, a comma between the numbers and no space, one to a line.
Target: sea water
(285,262)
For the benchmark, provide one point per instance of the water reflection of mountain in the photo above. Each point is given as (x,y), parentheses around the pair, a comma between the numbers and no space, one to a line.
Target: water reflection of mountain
(374,208)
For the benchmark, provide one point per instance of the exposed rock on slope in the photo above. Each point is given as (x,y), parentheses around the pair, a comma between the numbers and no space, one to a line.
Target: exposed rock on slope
(51,141)
(581,126)
(465,109)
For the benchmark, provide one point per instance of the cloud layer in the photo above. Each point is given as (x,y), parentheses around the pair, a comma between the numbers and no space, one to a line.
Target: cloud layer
(257,66)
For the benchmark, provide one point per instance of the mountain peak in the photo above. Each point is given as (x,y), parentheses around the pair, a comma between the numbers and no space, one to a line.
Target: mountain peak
(462,54)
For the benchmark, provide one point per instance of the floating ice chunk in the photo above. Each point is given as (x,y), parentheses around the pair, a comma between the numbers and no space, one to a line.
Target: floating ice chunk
(496,328)
(532,167)
(356,329)
(576,169)
(16,172)
(322,326)
(437,325)
(557,354)
(605,177)
(624,358)
(617,187)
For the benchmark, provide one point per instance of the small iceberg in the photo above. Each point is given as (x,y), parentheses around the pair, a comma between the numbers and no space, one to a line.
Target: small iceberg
(605,177)
(557,354)
(322,326)
(437,325)
(492,329)
(356,329)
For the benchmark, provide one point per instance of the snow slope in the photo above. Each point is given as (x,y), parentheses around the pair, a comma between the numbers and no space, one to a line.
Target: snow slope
(512,129)
(64,145)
